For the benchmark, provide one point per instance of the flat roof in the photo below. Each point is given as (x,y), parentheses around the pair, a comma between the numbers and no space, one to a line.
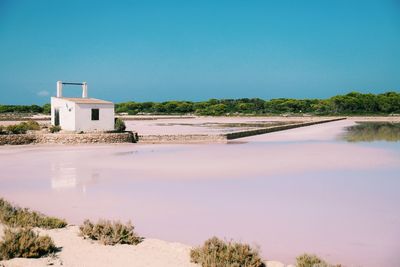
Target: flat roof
(80,100)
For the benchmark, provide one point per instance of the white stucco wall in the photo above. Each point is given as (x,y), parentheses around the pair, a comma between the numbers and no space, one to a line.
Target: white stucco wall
(84,117)
(67,113)
(78,117)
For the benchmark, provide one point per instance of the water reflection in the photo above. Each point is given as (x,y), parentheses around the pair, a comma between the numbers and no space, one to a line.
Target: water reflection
(373,131)
(66,175)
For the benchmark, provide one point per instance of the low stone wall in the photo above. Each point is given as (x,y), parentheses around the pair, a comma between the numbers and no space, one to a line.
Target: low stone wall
(17,139)
(68,138)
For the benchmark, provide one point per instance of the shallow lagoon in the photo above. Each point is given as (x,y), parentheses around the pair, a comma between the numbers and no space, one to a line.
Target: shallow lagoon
(301,190)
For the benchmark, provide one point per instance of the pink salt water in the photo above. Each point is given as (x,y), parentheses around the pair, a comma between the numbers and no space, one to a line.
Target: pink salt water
(301,190)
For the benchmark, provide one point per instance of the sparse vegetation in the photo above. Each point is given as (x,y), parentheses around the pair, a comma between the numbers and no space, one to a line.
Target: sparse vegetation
(110,233)
(16,129)
(31,125)
(22,217)
(20,128)
(25,243)
(311,260)
(55,128)
(119,125)
(216,252)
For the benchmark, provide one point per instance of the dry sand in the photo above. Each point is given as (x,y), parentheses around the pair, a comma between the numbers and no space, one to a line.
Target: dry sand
(79,252)
(76,251)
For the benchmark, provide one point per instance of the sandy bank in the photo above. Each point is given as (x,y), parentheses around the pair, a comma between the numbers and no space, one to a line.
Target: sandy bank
(79,252)
(76,251)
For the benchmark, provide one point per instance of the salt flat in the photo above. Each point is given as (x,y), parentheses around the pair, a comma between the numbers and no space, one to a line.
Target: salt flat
(301,190)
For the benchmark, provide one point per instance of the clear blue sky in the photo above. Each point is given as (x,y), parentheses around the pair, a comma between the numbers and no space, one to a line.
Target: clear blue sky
(194,50)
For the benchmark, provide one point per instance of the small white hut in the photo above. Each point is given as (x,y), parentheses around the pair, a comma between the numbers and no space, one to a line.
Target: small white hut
(81,114)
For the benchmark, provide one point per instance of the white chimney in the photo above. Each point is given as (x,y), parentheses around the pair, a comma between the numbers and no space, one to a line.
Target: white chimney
(84,90)
(59,88)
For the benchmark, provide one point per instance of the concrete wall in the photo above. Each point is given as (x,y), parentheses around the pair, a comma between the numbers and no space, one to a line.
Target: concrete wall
(84,117)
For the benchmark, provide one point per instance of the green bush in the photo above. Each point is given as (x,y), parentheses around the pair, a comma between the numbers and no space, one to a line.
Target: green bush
(31,125)
(2,130)
(17,129)
(311,260)
(21,128)
(22,217)
(216,252)
(24,243)
(55,128)
(119,125)
(110,233)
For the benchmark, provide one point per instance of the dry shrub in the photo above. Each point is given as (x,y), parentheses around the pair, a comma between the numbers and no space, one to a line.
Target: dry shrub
(31,125)
(22,127)
(110,233)
(25,243)
(119,125)
(22,217)
(16,129)
(311,260)
(216,253)
(55,128)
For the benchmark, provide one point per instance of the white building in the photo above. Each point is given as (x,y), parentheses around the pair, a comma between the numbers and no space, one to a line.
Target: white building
(81,114)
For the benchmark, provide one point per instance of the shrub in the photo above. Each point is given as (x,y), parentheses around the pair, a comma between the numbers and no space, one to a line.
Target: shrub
(216,252)
(119,125)
(17,129)
(22,217)
(22,127)
(2,129)
(31,125)
(25,243)
(110,233)
(311,260)
(55,128)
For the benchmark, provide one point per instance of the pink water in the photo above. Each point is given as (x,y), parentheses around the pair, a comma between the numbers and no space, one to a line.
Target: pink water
(301,190)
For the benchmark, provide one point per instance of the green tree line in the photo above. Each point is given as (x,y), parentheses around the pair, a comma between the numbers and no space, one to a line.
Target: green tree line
(25,109)
(353,103)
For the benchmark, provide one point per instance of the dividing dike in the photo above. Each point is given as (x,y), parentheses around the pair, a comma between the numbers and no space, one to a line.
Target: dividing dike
(222,138)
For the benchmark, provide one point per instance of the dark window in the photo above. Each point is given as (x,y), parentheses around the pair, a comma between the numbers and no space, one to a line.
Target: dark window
(95,114)
(56,117)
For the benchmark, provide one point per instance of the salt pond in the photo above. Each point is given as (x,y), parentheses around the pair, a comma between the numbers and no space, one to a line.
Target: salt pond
(300,190)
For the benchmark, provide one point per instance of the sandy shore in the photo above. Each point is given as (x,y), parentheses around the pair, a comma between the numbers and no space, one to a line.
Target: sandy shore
(76,251)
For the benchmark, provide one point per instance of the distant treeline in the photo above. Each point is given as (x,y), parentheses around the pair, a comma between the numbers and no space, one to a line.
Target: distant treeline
(350,104)
(25,109)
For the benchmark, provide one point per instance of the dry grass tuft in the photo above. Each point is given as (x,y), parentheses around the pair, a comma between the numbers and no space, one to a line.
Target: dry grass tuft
(216,253)
(25,243)
(110,233)
(55,128)
(22,217)
(311,260)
